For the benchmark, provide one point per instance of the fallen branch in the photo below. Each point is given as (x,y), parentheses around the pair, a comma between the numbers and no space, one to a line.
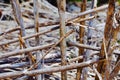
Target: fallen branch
(15,65)
(83,46)
(47,70)
(70,43)
(25,51)
(57,22)
(28,37)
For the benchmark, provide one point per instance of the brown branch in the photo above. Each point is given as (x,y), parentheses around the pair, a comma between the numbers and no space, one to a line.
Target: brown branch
(61,10)
(90,11)
(18,15)
(70,43)
(83,46)
(28,37)
(115,71)
(30,56)
(102,66)
(36,22)
(24,51)
(81,39)
(63,37)
(47,70)
(36,64)
(57,22)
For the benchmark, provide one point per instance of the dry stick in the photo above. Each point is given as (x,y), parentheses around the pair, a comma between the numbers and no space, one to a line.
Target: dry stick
(36,22)
(10,30)
(29,27)
(97,73)
(67,34)
(75,59)
(22,42)
(90,47)
(48,70)
(81,40)
(77,20)
(86,27)
(61,10)
(15,65)
(84,46)
(90,32)
(113,46)
(18,65)
(25,51)
(108,36)
(18,17)
(54,23)
(117,66)
(43,24)
(33,35)
(90,11)
(28,37)
(108,57)
(18,52)
(115,71)
(35,65)
(117,28)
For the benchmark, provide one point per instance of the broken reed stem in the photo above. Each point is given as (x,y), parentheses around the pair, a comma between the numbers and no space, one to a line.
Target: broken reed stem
(61,10)
(63,37)
(89,11)
(35,65)
(44,24)
(33,35)
(15,65)
(18,15)
(19,19)
(81,39)
(26,64)
(28,37)
(115,71)
(8,54)
(36,23)
(30,56)
(55,23)
(102,66)
(75,59)
(83,46)
(25,51)
(77,20)
(97,73)
(48,70)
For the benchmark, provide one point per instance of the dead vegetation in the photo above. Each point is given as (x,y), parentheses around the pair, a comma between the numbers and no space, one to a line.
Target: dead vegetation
(38,40)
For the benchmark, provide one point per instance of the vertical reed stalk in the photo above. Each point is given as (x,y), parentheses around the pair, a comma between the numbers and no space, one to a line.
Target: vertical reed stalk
(62,9)
(36,23)
(81,38)
(19,19)
(108,35)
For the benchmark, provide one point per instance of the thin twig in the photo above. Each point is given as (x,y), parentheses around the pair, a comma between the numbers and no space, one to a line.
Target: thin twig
(35,65)
(23,51)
